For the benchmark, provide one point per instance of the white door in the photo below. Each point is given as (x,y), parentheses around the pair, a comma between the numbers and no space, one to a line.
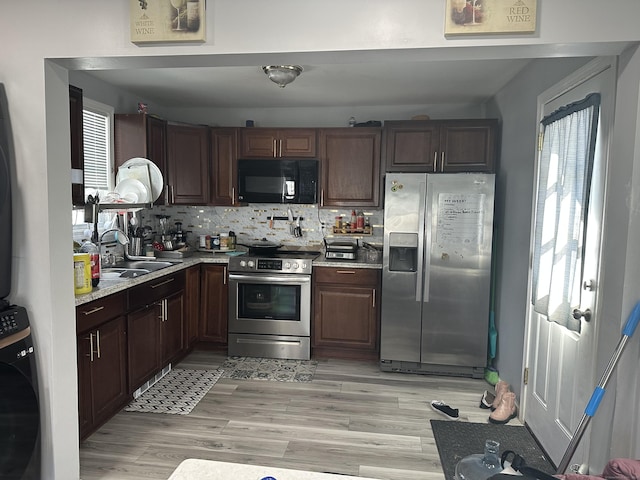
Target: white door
(560,362)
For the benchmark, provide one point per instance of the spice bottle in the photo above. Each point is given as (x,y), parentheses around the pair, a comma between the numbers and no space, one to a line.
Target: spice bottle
(360,224)
(354,220)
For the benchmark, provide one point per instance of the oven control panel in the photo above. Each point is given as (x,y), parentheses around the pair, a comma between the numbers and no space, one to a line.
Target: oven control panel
(13,320)
(271,265)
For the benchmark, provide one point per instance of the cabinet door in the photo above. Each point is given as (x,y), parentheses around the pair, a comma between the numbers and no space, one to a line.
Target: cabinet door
(109,369)
(214,300)
(85,407)
(410,146)
(77,146)
(188,164)
(140,135)
(192,305)
(224,174)
(467,146)
(346,312)
(269,142)
(143,348)
(350,163)
(172,328)
(297,142)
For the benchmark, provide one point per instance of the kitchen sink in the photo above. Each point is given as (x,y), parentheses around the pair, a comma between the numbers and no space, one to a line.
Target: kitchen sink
(133,269)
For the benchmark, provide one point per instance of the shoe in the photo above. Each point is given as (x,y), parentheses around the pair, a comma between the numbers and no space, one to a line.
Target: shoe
(502,387)
(487,399)
(444,409)
(506,410)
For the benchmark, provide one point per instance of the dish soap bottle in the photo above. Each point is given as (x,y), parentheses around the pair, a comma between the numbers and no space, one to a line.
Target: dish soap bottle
(480,466)
(94,256)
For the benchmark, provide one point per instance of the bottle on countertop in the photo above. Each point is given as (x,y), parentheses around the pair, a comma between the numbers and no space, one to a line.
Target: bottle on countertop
(94,258)
(360,222)
(354,220)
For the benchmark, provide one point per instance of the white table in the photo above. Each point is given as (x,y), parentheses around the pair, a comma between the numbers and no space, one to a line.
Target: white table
(194,469)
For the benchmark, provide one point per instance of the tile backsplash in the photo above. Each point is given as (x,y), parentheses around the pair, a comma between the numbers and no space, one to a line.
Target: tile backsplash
(251,223)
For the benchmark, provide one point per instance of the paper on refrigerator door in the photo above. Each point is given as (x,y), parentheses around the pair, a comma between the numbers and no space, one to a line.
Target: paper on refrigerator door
(460,218)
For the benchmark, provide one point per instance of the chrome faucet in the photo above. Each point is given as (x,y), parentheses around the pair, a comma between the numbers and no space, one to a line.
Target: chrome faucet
(123,240)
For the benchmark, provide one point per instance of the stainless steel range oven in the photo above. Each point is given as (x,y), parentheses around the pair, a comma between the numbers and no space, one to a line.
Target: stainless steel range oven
(270,305)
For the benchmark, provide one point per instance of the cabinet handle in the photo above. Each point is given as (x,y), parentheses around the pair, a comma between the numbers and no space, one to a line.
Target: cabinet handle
(166,194)
(348,272)
(435,160)
(94,310)
(442,162)
(280,153)
(233,195)
(322,197)
(161,305)
(165,304)
(275,148)
(98,341)
(173,195)
(373,291)
(163,283)
(224,279)
(90,347)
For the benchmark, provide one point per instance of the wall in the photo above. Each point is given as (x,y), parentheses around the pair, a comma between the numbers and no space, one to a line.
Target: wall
(515,173)
(90,34)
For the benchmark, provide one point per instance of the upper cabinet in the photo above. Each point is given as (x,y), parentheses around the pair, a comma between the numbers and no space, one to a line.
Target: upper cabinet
(440,146)
(277,143)
(141,135)
(77,149)
(188,164)
(224,171)
(350,164)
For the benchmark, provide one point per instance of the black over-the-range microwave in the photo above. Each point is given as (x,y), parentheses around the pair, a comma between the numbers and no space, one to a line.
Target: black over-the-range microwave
(278,180)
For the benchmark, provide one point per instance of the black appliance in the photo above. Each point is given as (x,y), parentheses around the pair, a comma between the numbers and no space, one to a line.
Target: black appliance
(6,156)
(19,409)
(278,180)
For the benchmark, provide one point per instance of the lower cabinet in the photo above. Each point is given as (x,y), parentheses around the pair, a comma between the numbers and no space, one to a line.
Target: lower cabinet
(102,361)
(155,327)
(214,293)
(346,320)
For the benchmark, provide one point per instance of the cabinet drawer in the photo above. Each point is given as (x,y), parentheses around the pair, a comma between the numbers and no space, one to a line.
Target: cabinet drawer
(155,290)
(92,314)
(349,276)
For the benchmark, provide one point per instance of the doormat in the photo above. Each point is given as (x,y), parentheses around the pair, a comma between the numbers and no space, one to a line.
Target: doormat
(456,440)
(280,370)
(178,392)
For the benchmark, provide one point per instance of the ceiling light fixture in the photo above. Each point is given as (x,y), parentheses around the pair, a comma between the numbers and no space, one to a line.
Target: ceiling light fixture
(282,75)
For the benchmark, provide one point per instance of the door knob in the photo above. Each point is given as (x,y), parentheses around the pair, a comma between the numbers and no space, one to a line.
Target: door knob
(589,285)
(577,314)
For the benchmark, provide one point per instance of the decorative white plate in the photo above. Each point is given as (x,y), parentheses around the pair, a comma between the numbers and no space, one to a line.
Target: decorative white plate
(132,191)
(131,169)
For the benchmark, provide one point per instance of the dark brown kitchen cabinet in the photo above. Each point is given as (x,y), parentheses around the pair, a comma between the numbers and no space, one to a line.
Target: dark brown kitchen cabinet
(346,319)
(283,142)
(188,164)
(214,299)
(141,135)
(350,166)
(77,146)
(224,172)
(440,146)
(155,326)
(192,305)
(102,361)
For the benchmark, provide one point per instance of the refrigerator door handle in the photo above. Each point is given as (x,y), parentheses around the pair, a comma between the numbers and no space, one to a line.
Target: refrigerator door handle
(425,248)
(421,219)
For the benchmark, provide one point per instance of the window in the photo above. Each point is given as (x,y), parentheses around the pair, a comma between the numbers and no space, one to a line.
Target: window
(99,178)
(98,159)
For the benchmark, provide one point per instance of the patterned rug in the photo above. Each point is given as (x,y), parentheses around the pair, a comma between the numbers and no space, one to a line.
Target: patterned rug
(280,370)
(178,392)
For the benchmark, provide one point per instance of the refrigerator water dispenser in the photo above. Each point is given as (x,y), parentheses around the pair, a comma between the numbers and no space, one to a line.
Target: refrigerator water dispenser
(403,252)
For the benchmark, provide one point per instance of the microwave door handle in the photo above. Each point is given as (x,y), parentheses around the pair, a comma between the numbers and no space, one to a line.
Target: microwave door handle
(289,187)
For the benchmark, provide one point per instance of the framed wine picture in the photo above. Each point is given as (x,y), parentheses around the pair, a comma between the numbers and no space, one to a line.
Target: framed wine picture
(473,17)
(167,21)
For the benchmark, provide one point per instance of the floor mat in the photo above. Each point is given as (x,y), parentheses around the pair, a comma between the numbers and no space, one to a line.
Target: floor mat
(280,370)
(178,392)
(456,440)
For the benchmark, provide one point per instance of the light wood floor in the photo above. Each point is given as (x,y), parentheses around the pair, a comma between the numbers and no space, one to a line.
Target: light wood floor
(351,419)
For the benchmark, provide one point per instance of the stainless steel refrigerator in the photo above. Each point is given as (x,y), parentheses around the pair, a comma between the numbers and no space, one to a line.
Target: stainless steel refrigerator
(436,273)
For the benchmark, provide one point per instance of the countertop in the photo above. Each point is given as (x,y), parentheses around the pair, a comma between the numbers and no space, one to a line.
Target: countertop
(110,286)
(194,469)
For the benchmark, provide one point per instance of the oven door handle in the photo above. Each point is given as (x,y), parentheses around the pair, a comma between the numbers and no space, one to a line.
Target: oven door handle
(288,279)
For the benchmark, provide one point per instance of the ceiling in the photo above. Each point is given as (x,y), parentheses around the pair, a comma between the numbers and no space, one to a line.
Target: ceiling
(320,85)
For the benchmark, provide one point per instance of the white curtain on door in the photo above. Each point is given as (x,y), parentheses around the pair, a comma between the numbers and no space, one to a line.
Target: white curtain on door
(564,179)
